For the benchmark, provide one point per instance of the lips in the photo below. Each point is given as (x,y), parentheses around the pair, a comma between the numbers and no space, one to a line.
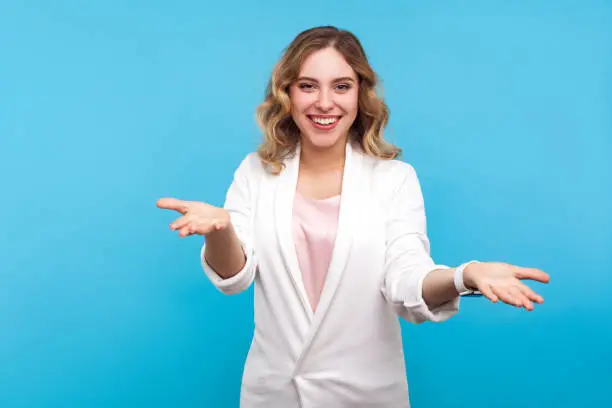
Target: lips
(324,122)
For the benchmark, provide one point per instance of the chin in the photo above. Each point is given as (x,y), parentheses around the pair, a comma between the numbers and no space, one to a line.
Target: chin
(322,141)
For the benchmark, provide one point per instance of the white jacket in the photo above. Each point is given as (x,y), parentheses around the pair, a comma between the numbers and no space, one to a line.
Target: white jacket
(349,352)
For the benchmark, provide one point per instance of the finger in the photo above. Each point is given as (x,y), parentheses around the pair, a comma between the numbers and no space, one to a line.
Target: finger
(530,294)
(181,222)
(517,294)
(186,231)
(201,227)
(218,225)
(173,204)
(505,296)
(488,293)
(532,273)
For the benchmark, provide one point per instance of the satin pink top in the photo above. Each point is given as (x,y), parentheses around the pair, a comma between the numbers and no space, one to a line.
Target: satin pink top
(314,229)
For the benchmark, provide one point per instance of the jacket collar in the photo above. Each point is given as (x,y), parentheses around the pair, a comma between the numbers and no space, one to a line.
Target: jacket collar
(348,220)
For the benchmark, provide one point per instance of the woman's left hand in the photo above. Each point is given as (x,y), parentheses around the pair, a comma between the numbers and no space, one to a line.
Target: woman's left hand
(500,281)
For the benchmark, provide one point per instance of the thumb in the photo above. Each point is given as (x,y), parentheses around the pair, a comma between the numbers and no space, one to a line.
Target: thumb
(169,203)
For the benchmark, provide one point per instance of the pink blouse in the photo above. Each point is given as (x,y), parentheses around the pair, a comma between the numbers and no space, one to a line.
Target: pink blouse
(314,229)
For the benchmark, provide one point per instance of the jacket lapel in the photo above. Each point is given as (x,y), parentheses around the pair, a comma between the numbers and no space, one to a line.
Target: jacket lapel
(286,186)
(344,236)
(347,222)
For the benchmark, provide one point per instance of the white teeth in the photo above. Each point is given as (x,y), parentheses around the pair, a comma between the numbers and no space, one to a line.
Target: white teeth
(326,121)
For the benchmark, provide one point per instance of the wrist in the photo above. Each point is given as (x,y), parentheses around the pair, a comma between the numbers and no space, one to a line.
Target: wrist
(469,274)
(463,280)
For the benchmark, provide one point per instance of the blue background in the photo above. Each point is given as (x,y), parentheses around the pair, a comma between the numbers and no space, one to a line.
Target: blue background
(503,107)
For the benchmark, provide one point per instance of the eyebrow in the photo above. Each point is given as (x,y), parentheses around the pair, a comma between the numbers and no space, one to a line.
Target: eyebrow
(303,78)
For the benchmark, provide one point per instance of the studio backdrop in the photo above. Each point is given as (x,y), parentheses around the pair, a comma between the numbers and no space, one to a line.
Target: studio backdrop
(503,108)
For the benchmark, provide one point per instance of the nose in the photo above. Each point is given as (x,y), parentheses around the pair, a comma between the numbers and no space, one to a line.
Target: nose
(324,101)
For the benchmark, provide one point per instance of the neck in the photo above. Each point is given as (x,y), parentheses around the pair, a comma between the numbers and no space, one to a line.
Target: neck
(329,158)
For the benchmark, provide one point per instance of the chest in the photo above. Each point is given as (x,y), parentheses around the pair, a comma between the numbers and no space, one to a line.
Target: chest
(348,219)
(320,185)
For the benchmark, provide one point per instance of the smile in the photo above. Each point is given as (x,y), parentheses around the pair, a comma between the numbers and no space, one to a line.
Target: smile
(324,122)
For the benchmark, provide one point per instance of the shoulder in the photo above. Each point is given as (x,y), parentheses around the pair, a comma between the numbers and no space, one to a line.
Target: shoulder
(391,175)
(395,184)
(394,168)
(250,165)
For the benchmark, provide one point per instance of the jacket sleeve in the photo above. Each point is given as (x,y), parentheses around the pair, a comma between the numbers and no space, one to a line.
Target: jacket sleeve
(407,259)
(239,203)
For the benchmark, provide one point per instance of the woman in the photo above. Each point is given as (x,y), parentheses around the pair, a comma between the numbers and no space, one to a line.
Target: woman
(331,229)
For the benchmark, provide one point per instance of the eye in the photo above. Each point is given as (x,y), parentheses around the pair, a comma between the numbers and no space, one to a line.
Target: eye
(343,87)
(306,86)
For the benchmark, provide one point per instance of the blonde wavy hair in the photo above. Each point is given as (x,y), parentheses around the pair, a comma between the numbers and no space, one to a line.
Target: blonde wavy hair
(281,134)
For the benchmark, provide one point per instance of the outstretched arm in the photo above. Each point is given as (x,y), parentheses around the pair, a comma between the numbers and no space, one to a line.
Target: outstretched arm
(496,281)
(223,251)
(227,256)
(419,289)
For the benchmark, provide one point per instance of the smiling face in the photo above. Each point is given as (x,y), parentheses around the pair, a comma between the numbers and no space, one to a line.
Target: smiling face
(324,99)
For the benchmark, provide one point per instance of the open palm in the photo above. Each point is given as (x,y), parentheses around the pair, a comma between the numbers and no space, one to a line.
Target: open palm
(501,281)
(197,217)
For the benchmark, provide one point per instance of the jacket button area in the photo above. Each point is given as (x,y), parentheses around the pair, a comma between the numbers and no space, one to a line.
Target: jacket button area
(296,380)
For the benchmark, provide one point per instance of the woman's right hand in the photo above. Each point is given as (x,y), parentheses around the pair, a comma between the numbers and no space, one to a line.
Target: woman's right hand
(197,217)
